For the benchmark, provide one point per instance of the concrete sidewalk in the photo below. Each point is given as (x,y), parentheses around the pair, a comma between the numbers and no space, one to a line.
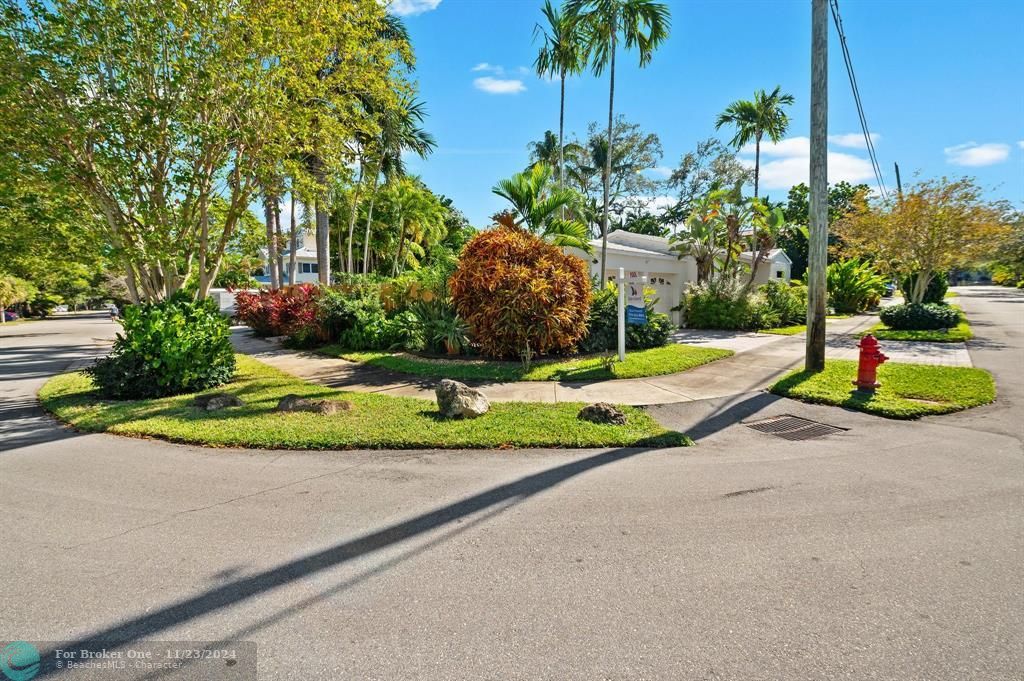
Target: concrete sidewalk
(760,360)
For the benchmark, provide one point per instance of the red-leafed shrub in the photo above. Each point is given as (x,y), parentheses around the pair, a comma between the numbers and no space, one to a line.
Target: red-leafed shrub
(520,295)
(289,310)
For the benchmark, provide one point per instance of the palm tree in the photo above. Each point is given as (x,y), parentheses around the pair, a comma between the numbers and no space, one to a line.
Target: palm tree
(400,131)
(561,54)
(704,235)
(756,119)
(536,206)
(548,150)
(640,23)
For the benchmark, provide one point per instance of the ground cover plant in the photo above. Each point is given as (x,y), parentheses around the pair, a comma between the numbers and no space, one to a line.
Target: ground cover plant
(374,420)
(669,359)
(908,390)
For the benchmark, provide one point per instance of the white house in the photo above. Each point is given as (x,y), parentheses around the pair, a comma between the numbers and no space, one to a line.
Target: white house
(666,272)
(307,270)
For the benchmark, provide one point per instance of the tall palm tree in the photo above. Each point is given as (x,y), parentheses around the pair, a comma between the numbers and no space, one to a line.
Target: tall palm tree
(764,116)
(643,24)
(561,54)
(536,206)
(400,131)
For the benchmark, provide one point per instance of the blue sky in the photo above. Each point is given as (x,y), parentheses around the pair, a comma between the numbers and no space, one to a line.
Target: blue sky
(942,85)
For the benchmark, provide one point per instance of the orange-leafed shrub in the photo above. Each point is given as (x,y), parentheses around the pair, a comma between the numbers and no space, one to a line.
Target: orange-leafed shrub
(520,295)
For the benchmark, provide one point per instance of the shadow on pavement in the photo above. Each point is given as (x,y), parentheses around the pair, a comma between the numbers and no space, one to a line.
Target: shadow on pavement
(236,591)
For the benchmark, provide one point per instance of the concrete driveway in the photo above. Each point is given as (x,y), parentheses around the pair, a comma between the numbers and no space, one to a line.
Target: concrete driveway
(890,551)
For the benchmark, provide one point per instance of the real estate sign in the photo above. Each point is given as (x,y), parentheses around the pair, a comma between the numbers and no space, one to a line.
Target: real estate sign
(636,311)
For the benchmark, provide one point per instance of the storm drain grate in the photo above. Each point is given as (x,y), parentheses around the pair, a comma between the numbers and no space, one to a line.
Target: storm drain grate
(794,428)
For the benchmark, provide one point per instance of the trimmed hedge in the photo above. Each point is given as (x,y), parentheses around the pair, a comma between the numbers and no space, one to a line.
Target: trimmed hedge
(920,316)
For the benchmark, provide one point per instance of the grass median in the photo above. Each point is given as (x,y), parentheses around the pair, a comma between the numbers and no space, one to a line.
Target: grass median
(798,328)
(669,359)
(374,422)
(908,391)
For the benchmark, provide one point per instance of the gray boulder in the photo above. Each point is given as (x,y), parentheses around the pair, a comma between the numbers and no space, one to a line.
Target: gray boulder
(215,401)
(325,407)
(602,412)
(458,400)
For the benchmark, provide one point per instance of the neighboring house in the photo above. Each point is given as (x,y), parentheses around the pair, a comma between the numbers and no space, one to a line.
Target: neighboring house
(307,270)
(667,273)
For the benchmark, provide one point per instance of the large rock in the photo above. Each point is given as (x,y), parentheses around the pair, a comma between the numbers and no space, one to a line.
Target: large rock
(602,412)
(326,407)
(215,401)
(458,400)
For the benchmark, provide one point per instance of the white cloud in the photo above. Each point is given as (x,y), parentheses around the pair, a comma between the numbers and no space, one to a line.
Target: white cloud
(499,86)
(853,140)
(663,172)
(1020,143)
(788,163)
(974,154)
(405,8)
(484,66)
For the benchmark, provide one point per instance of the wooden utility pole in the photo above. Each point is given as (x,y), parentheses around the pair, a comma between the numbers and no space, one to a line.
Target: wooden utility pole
(899,184)
(817,247)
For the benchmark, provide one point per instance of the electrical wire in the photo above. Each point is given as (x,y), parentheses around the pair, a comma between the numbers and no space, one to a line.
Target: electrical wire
(834,5)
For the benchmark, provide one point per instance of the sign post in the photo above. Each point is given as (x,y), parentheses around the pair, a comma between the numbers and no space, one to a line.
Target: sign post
(622,314)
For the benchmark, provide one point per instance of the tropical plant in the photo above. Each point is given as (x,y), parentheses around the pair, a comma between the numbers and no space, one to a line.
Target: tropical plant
(167,348)
(704,235)
(754,120)
(643,24)
(537,204)
(788,301)
(519,295)
(561,54)
(400,131)
(853,286)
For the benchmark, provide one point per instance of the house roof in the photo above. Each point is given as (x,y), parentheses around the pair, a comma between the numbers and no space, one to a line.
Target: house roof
(774,255)
(300,253)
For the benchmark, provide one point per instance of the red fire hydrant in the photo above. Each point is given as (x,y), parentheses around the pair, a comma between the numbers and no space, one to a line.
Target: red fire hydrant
(867,367)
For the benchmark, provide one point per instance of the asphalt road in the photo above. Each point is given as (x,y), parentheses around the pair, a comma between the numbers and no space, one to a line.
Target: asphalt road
(891,551)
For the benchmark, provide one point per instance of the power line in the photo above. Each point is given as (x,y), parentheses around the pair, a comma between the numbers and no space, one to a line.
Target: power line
(834,4)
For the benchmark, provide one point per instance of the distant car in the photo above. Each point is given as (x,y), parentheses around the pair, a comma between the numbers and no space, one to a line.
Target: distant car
(10,316)
(890,289)
(61,308)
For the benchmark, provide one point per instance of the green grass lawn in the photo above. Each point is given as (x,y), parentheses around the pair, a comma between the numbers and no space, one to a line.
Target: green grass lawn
(958,334)
(908,390)
(669,359)
(798,328)
(374,422)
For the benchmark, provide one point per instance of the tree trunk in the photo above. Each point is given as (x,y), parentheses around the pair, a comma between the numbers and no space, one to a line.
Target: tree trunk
(608,163)
(369,221)
(323,242)
(352,217)
(401,244)
(921,281)
(293,243)
(561,146)
(278,241)
(268,210)
(757,162)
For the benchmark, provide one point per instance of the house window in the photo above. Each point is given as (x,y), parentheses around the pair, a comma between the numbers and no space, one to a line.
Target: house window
(309,268)
(779,274)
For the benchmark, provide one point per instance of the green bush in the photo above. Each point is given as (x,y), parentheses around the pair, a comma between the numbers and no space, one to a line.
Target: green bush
(853,286)
(728,308)
(920,316)
(936,291)
(603,325)
(788,302)
(176,346)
